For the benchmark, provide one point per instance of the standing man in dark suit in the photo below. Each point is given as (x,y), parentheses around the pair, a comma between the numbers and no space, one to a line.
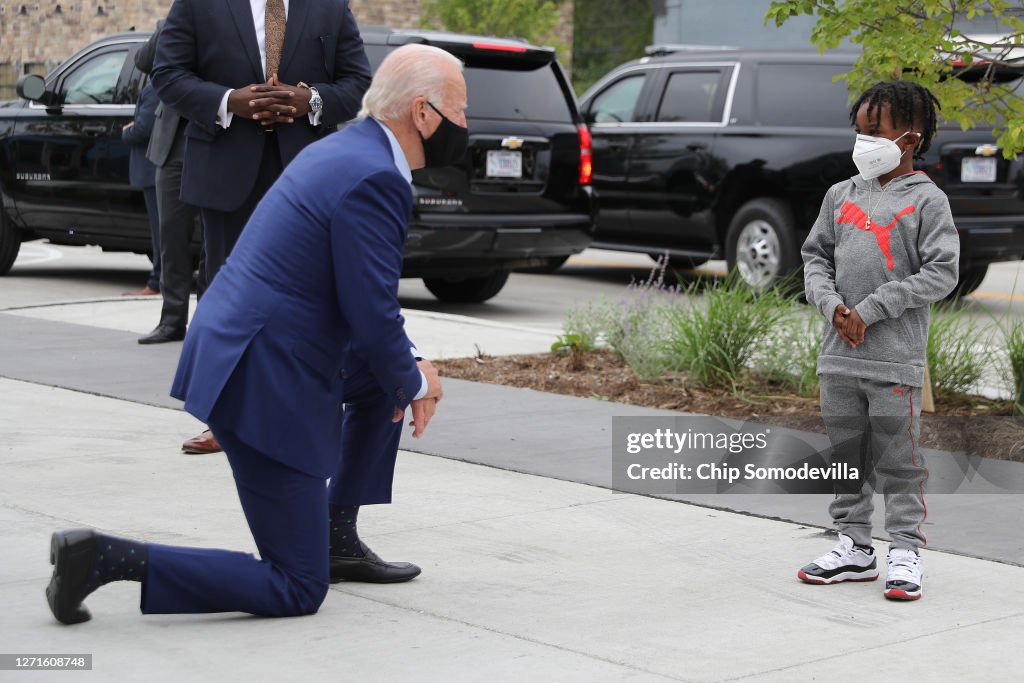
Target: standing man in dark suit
(142,173)
(166,151)
(225,66)
(213,65)
(302,318)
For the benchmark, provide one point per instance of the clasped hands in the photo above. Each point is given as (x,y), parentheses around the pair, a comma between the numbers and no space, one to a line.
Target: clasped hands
(423,409)
(849,325)
(270,103)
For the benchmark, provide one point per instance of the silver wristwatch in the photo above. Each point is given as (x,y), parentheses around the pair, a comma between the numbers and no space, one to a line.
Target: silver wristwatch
(316,103)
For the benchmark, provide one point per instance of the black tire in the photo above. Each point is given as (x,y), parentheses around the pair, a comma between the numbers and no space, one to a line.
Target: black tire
(970,280)
(760,245)
(680,262)
(467,290)
(10,243)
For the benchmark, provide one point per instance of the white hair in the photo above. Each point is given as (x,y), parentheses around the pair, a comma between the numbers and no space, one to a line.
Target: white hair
(409,72)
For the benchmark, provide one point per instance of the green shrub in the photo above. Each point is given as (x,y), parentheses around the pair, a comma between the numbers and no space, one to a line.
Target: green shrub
(790,357)
(635,327)
(956,359)
(714,340)
(1013,334)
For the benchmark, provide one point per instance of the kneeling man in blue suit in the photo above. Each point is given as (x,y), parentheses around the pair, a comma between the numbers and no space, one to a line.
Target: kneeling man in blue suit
(298,360)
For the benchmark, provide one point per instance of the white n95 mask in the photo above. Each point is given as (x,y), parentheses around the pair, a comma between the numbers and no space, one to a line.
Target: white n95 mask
(876,156)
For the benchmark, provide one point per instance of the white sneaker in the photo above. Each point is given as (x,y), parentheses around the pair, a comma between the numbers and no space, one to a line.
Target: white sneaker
(906,572)
(846,562)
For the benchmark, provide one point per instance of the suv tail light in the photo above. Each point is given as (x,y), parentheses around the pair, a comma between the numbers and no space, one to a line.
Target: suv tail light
(499,47)
(586,156)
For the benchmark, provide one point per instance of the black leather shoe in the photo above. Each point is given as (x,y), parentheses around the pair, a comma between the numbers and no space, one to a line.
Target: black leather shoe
(163,334)
(371,569)
(72,554)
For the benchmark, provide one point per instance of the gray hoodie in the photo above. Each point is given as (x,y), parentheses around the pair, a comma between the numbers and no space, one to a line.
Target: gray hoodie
(889,266)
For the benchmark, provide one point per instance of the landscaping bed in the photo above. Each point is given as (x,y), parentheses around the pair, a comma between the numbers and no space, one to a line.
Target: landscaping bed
(960,423)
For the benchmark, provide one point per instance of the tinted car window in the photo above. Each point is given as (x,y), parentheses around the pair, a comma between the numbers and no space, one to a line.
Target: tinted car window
(822,101)
(505,90)
(503,94)
(692,96)
(95,81)
(617,102)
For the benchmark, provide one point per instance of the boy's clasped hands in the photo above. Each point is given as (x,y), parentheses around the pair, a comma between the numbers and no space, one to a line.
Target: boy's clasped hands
(849,325)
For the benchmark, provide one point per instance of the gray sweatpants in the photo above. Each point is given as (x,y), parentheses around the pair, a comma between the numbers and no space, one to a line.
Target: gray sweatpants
(879,424)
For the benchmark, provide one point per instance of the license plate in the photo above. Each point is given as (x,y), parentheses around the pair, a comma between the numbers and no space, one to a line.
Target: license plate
(978,170)
(503,164)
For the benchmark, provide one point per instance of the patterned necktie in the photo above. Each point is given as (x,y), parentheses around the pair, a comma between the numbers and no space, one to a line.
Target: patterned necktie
(274,23)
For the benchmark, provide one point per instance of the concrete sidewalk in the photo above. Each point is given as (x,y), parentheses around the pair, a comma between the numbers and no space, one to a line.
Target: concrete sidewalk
(525,576)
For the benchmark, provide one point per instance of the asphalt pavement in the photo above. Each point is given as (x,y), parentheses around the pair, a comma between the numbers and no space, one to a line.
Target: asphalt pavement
(534,568)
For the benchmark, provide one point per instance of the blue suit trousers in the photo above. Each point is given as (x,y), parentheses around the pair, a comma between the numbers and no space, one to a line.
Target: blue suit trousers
(287,512)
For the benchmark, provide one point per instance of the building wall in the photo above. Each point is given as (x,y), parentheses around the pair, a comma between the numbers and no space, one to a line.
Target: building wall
(737,23)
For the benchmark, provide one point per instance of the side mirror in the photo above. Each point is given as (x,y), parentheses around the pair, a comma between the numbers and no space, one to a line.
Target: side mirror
(31,87)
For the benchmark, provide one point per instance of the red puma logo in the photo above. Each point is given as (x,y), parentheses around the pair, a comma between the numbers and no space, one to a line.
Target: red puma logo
(853,214)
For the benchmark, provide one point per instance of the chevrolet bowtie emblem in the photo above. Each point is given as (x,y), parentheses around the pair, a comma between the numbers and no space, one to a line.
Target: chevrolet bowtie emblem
(986,150)
(512,143)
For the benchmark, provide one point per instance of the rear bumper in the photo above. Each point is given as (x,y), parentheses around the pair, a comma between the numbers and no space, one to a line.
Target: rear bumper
(440,244)
(986,239)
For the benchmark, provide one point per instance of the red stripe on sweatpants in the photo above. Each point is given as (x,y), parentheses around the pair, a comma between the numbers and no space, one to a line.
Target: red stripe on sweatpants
(913,461)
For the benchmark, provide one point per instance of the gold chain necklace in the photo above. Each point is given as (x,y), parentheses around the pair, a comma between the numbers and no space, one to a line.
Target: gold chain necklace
(874,204)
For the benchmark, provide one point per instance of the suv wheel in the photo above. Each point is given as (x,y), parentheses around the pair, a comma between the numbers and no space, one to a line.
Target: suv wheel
(760,245)
(10,243)
(467,290)
(970,280)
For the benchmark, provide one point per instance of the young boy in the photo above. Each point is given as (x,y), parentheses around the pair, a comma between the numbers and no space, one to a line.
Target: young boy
(883,248)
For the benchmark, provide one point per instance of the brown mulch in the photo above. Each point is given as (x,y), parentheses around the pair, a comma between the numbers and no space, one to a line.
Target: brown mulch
(978,425)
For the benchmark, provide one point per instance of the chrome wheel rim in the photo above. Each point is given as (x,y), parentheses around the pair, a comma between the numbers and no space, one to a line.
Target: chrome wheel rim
(758,254)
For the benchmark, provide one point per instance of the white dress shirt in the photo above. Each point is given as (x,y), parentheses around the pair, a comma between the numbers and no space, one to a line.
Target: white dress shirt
(259,18)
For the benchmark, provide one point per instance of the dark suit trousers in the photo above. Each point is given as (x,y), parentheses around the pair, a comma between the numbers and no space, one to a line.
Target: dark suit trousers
(149,193)
(177,223)
(221,229)
(287,514)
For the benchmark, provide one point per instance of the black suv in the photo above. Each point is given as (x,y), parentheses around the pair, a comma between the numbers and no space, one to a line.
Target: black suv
(520,199)
(728,153)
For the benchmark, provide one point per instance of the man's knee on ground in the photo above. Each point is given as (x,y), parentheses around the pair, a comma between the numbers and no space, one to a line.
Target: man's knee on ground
(301,595)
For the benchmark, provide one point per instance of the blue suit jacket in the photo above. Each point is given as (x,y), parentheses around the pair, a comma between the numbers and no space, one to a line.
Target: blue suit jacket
(141,171)
(207,48)
(309,293)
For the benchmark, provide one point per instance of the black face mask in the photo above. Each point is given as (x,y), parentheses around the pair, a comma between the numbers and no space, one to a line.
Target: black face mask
(447,145)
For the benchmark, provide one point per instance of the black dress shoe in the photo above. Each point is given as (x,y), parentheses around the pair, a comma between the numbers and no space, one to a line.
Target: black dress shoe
(163,334)
(371,569)
(72,554)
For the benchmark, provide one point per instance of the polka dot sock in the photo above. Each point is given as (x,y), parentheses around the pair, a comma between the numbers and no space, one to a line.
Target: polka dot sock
(344,537)
(117,559)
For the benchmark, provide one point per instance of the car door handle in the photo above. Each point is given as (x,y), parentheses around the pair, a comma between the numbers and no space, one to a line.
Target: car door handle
(95,129)
(696,147)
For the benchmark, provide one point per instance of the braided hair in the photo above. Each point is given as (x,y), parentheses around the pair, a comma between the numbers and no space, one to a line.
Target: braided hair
(909,104)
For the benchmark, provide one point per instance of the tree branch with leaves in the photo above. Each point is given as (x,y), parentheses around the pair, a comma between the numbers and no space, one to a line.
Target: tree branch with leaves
(930,42)
(532,20)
